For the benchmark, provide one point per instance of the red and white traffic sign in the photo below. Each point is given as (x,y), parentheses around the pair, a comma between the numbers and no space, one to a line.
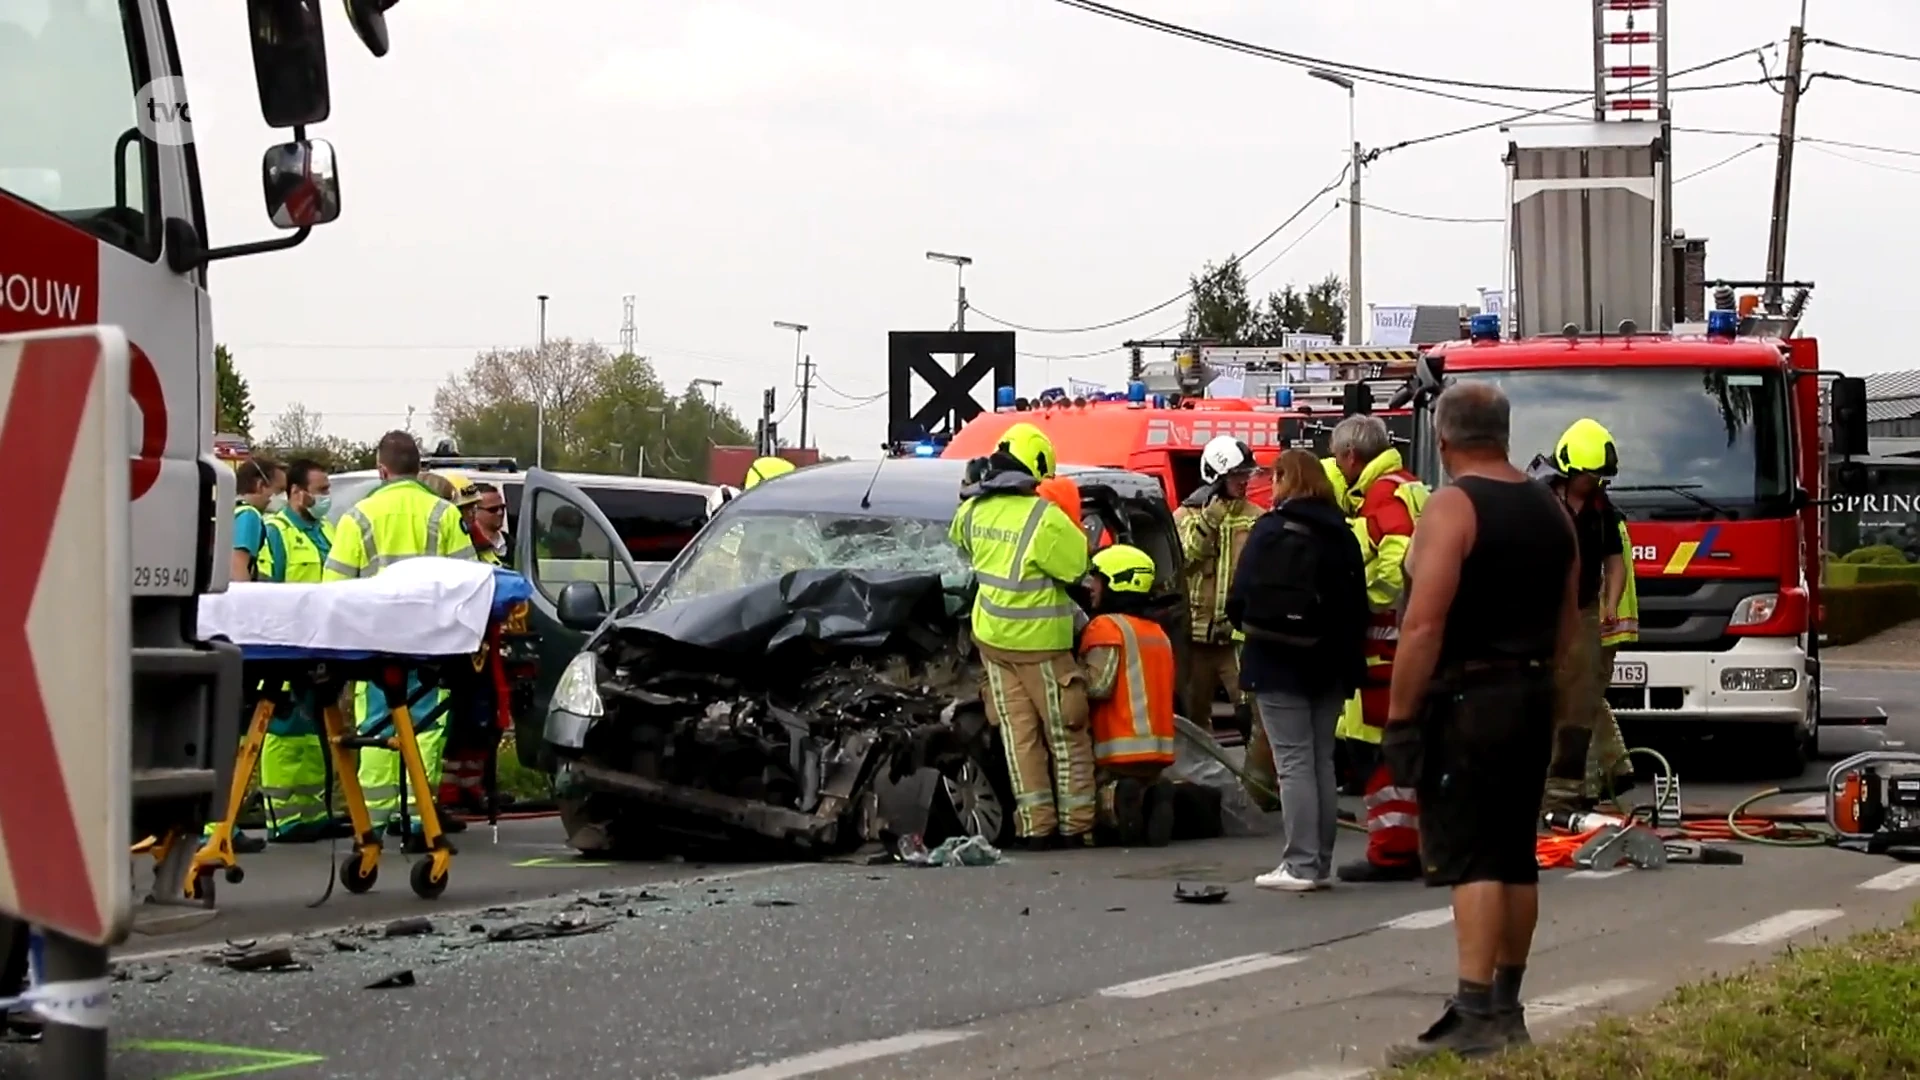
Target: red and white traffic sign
(65,606)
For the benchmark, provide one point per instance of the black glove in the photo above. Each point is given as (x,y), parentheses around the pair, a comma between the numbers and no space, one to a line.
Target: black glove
(1405,753)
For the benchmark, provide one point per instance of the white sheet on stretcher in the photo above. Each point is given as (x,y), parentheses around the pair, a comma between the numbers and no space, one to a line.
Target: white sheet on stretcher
(416,607)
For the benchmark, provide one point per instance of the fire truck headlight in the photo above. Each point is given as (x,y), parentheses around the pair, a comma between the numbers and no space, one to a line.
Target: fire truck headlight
(1755,610)
(1762,678)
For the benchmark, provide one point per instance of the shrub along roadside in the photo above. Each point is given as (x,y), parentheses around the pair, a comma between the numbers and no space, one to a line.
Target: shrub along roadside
(1853,612)
(1834,1012)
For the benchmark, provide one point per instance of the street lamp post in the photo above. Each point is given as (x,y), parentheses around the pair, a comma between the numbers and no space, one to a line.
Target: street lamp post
(1356,311)
(959,264)
(802,375)
(540,392)
(713,402)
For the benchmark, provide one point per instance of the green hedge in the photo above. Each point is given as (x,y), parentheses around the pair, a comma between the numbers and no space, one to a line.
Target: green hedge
(1844,574)
(1853,612)
(1880,554)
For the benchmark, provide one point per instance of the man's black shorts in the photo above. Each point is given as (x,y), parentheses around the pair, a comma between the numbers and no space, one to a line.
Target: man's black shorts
(1488,744)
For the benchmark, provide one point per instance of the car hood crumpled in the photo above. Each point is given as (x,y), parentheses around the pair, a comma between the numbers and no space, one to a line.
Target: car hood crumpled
(855,608)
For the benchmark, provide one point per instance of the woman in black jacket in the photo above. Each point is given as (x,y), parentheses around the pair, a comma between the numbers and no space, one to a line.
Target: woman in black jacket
(1300,598)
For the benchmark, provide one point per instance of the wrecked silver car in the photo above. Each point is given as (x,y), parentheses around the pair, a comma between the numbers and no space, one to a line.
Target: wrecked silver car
(800,679)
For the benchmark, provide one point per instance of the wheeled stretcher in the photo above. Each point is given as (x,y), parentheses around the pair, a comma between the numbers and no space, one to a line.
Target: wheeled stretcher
(456,625)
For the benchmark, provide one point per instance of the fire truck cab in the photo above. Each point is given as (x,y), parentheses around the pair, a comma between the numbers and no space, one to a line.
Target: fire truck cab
(102,222)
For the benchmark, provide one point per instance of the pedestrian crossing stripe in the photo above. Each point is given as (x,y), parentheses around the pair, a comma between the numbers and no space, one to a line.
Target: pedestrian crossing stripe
(1690,550)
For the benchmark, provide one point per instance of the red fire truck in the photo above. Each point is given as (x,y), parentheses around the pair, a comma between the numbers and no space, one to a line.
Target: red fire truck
(1720,426)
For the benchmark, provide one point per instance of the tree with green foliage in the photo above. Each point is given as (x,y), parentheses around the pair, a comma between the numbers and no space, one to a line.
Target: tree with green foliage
(1220,309)
(604,413)
(233,399)
(298,433)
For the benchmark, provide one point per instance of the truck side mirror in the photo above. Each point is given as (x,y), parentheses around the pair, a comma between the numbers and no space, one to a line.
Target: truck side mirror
(369,19)
(289,61)
(1848,416)
(1850,479)
(301,184)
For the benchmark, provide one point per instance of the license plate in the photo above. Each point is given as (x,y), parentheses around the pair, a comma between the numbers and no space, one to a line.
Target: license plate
(1625,674)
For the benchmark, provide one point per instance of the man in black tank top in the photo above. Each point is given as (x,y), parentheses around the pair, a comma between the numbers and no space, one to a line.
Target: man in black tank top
(1491,605)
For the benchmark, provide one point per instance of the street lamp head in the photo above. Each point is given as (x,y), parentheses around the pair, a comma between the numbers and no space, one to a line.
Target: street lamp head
(543,298)
(798,328)
(957,260)
(1333,77)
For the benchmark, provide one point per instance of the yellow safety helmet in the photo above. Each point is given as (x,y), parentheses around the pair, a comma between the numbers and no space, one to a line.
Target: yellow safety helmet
(1125,568)
(764,469)
(1029,446)
(464,491)
(1586,447)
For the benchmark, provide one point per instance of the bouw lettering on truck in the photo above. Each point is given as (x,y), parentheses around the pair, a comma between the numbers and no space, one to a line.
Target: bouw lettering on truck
(40,299)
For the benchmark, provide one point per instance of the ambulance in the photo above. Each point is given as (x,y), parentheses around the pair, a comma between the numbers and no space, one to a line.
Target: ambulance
(103,222)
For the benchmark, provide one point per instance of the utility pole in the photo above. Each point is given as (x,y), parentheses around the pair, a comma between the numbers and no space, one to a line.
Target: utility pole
(767,440)
(540,392)
(1356,310)
(629,334)
(959,264)
(802,372)
(1783,164)
(713,404)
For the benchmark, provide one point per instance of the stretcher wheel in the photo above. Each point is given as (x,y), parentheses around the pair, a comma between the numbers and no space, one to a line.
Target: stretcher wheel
(425,886)
(352,879)
(235,875)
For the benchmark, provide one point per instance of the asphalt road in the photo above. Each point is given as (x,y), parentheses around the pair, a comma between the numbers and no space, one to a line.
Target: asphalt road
(1072,965)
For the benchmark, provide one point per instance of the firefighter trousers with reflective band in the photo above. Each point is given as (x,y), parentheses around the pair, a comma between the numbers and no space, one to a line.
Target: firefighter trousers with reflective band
(381,771)
(1211,668)
(1585,735)
(1393,820)
(1040,707)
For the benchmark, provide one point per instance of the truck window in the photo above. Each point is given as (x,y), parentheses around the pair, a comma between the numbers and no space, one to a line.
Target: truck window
(70,124)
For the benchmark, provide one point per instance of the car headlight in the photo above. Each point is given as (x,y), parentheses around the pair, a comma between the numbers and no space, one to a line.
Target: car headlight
(576,703)
(1755,610)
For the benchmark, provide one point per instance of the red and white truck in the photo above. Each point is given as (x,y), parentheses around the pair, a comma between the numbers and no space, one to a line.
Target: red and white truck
(1721,428)
(102,222)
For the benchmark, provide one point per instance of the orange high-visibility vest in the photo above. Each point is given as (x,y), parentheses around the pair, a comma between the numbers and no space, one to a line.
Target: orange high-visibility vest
(1134,725)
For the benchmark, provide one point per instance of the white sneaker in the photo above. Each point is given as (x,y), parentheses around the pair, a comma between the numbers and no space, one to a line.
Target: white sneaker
(1283,880)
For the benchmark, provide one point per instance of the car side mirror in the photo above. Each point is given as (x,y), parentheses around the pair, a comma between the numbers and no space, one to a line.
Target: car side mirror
(581,607)
(301,184)
(289,61)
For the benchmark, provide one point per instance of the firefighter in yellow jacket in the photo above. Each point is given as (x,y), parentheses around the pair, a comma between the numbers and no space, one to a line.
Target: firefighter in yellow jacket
(1025,551)
(1214,522)
(1610,756)
(399,520)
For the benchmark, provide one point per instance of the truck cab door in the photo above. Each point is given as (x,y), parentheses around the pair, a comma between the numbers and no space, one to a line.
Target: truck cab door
(578,579)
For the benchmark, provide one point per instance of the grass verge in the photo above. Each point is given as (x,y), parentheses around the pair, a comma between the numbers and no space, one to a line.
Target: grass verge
(1844,1011)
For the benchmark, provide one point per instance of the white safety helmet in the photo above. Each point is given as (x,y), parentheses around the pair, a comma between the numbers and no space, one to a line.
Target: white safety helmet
(719,497)
(1224,454)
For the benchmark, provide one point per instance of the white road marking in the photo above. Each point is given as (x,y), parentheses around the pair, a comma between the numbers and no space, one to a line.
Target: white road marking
(1778,927)
(850,1054)
(1583,997)
(1326,1072)
(1420,920)
(1200,976)
(1598,875)
(1904,877)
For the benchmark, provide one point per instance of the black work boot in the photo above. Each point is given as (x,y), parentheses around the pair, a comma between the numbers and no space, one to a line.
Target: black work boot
(1513,1025)
(1159,813)
(1364,871)
(247,843)
(1129,812)
(1458,1031)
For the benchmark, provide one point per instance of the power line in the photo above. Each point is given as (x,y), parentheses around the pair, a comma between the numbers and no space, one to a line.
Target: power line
(1184,293)
(1895,87)
(1864,161)
(1863,49)
(1302,60)
(825,385)
(1804,139)
(1429,217)
(1728,160)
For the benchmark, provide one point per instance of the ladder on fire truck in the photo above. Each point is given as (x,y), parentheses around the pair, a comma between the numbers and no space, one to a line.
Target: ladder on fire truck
(1630,60)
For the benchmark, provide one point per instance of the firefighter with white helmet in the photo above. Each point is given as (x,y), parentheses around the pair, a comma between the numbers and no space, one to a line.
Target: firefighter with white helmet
(1214,522)
(1025,553)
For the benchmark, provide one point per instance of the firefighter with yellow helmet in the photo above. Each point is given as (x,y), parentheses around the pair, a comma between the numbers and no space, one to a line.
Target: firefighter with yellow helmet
(764,469)
(1586,739)
(1130,687)
(1025,552)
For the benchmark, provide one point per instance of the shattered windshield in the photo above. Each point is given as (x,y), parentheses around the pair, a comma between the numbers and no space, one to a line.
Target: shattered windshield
(747,547)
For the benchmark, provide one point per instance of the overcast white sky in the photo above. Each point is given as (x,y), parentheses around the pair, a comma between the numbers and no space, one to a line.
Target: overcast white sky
(733,162)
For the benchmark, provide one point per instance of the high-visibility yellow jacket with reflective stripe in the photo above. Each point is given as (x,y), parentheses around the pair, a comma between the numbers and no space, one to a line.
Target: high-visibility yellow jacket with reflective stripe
(304,559)
(399,520)
(1025,551)
(1627,628)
